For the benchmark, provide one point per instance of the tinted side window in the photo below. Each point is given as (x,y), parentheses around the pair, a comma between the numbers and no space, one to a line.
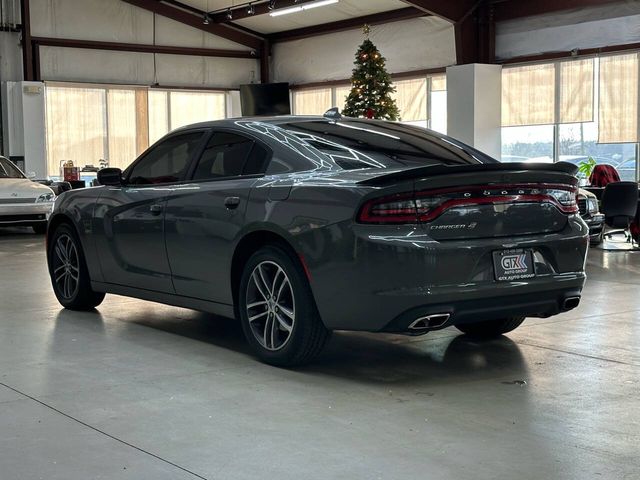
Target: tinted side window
(358,143)
(257,161)
(278,166)
(167,162)
(230,155)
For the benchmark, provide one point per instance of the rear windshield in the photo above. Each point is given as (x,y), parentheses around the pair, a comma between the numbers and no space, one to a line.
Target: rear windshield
(355,144)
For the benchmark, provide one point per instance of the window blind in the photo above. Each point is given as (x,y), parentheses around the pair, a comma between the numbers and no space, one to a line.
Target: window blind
(528,95)
(75,120)
(618,91)
(411,97)
(158,115)
(313,101)
(341,96)
(121,106)
(438,83)
(576,91)
(194,107)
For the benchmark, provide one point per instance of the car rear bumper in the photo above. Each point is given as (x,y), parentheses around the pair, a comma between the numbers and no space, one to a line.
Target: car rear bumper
(26,214)
(435,317)
(393,275)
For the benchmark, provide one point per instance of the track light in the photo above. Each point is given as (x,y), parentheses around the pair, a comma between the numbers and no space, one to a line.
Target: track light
(272,4)
(250,9)
(229,14)
(303,7)
(205,19)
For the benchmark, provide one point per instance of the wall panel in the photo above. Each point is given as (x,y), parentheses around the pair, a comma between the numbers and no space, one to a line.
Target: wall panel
(416,44)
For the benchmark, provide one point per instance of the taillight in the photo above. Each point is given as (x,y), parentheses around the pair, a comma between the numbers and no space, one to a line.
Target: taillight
(392,209)
(425,206)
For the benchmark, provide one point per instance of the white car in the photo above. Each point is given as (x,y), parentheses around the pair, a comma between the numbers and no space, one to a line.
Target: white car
(22,201)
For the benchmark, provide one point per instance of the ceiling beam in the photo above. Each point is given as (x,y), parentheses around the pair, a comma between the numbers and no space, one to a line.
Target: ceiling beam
(348,24)
(244,29)
(510,9)
(259,9)
(475,34)
(195,21)
(451,10)
(141,48)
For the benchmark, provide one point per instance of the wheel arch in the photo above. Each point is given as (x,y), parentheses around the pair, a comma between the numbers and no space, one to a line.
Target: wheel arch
(55,221)
(250,243)
(65,217)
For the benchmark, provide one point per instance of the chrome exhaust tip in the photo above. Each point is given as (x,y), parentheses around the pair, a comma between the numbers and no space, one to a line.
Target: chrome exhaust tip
(429,322)
(570,303)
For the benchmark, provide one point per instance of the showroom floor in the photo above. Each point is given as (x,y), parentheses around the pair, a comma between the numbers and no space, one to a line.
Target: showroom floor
(141,391)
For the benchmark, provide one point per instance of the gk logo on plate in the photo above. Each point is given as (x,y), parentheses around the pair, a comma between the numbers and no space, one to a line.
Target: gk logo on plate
(514,262)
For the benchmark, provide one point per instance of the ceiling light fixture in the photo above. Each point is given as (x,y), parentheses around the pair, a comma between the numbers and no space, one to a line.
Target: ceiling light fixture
(272,4)
(300,8)
(251,9)
(229,14)
(205,19)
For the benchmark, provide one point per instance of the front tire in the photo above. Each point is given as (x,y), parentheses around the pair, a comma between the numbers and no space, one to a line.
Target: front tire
(491,328)
(68,271)
(277,310)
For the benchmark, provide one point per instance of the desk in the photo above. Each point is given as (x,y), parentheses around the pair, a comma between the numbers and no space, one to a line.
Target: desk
(597,191)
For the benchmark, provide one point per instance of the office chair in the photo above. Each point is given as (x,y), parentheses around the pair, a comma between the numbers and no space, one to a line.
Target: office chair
(619,205)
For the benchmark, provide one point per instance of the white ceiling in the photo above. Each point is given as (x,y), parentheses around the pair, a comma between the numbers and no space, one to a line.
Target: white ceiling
(343,10)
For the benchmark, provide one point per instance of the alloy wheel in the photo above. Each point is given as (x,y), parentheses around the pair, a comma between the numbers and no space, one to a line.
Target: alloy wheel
(66,266)
(270,305)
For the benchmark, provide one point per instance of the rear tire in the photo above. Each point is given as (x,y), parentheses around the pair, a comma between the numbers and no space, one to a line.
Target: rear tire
(68,271)
(491,328)
(277,310)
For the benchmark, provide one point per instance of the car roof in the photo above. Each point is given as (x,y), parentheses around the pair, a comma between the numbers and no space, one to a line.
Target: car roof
(274,120)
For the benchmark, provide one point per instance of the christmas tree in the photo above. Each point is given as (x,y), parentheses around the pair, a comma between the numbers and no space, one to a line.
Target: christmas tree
(371,86)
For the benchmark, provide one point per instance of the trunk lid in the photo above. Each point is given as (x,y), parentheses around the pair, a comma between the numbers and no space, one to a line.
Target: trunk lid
(487,200)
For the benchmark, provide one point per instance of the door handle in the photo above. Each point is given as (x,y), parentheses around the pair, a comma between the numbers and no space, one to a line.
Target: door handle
(232,202)
(156,209)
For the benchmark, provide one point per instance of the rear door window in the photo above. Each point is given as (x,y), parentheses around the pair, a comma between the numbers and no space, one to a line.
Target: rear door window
(230,155)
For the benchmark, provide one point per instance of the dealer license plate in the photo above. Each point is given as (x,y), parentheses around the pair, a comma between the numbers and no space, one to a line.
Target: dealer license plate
(514,264)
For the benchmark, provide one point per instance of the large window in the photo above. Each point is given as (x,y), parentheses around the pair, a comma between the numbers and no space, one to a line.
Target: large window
(111,125)
(527,143)
(422,100)
(573,110)
(76,120)
(312,101)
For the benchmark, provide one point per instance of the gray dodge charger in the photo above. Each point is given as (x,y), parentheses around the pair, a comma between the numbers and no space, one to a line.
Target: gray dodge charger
(298,226)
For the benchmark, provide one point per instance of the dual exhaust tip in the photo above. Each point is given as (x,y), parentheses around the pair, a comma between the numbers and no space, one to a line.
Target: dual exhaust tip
(570,303)
(429,322)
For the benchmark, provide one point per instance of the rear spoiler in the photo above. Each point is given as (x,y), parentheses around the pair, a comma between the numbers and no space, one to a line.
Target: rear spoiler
(438,170)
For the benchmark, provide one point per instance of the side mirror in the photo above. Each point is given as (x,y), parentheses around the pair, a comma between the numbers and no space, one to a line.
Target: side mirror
(110,176)
(31,175)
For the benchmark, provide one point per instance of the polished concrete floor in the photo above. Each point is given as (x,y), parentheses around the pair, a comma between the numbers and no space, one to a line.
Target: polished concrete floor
(137,390)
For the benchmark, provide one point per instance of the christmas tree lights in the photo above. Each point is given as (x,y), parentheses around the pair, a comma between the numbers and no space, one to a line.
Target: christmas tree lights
(371,85)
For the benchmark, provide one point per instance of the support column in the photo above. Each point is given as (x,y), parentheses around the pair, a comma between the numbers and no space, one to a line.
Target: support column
(474,100)
(24,127)
(27,49)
